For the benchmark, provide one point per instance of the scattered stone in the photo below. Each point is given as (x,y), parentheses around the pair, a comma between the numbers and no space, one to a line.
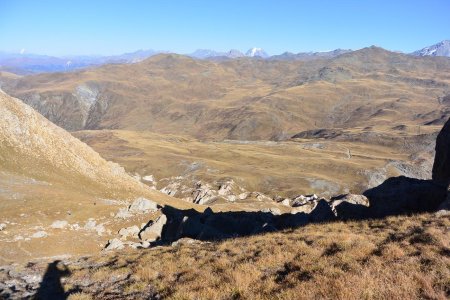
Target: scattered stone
(91,224)
(39,234)
(75,226)
(131,231)
(123,213)
(18,238)
(100,229)
(59,224)
(114,244)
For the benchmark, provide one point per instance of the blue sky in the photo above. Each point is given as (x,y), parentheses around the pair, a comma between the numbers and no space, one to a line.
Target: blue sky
(113,27)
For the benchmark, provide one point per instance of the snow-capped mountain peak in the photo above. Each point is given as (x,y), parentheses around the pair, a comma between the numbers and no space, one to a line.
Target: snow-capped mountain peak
(256,52)
(439,49)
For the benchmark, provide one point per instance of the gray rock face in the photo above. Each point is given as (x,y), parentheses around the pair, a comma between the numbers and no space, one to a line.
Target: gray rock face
(441,166)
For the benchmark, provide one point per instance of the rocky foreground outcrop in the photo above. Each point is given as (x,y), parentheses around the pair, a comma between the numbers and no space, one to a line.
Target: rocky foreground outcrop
(441,166)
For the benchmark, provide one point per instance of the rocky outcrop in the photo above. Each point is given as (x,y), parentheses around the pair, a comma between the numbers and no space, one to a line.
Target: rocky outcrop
(350,206)
(404,195)
(441,166)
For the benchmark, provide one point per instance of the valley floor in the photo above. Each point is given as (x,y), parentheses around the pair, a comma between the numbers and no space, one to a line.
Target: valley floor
(402,257)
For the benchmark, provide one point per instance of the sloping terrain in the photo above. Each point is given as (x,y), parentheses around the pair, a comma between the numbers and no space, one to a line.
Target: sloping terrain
(394,258)
(351,161)
(47,175)
(244,99)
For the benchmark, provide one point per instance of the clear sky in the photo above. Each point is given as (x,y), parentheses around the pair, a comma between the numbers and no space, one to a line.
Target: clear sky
(113,27)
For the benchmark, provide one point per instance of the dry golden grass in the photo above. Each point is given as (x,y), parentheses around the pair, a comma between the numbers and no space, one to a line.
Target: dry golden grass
(396,258)
(275,168)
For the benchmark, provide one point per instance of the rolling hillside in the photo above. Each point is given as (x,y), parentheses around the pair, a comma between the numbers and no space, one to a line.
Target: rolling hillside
(244,99)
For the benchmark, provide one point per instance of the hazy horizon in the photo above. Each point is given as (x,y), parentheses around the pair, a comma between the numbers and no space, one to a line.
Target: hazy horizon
(111,28)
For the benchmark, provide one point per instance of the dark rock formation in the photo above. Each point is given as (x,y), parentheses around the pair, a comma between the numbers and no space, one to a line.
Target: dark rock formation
(404,195)
(441,166)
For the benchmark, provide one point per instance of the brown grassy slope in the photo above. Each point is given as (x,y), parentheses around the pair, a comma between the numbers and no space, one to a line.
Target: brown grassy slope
(288,168)
(243,98)
(394,258)
(46,175)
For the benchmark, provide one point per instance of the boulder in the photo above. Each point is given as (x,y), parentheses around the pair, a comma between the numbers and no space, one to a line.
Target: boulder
(153,231)
(142,205)
(350,206)
(131,231)
(2,226)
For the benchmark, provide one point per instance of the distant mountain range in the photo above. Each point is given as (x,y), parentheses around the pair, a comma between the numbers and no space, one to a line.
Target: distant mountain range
(24,63)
